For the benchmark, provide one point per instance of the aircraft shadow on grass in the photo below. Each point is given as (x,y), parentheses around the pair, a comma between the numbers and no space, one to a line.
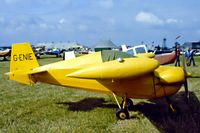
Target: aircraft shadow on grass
(188,120)
(88,104)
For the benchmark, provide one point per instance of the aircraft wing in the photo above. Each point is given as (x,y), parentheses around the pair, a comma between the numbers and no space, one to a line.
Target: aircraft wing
(117,69)
(169,74)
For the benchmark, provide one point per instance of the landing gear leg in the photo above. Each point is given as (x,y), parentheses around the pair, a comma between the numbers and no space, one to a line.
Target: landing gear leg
(122,112)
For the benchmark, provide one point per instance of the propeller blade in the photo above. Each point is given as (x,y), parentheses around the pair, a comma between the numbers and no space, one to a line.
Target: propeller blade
(186,89)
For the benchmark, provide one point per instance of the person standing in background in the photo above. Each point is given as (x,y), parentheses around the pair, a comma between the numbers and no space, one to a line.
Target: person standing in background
(177,51)
(190,57)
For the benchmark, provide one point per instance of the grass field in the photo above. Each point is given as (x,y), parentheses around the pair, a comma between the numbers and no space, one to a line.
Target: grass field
(49,108)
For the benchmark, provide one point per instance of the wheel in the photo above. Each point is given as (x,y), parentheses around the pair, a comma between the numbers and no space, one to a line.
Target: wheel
(173,110)
(122,114)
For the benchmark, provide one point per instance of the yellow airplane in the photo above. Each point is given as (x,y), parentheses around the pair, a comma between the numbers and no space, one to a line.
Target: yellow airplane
(111,72)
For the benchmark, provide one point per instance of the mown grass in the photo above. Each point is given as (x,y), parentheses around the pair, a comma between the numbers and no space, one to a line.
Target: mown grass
(49,108)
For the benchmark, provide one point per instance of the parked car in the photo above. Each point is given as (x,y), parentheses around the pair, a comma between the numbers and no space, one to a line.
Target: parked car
(197,53)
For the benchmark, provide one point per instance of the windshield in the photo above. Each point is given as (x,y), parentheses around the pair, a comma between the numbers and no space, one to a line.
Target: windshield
(140,50)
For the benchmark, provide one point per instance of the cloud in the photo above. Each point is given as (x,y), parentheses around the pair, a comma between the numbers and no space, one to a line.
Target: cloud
(82,27)
(111,21)
(173,21)
(43,25)
(53,19)
(198,32)
(36,2)
(2,20)
(10,1)
(61,21)
(22,23)
(106,3)
(149,18)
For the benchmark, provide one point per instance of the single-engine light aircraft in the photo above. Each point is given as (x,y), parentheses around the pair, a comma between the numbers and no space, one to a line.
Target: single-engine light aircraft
(112,72)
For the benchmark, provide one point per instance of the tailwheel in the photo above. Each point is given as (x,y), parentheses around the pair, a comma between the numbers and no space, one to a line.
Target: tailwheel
(122,114)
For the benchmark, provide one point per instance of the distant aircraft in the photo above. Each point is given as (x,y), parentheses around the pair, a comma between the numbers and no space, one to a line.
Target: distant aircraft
(111,72)
(38,51)
(46,49)
(54,51)
(5,52)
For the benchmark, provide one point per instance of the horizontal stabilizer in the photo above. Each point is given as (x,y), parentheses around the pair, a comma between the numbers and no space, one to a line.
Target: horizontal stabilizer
(36,71)
(22,77)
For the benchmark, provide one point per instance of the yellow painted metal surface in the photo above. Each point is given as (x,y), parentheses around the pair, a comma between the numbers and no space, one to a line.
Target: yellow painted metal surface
(148,55)
(22,57)
(22,61)
(169,74)
(130,67)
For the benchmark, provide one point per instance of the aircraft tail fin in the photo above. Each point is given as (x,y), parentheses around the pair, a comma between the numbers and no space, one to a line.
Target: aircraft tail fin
(23,60)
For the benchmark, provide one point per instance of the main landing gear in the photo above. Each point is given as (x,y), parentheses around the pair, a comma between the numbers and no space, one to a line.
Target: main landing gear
(122,112)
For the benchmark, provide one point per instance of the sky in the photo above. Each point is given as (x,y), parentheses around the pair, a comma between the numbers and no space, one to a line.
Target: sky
(88,21)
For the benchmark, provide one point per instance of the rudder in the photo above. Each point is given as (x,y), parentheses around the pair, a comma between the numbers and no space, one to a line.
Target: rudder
(22,61)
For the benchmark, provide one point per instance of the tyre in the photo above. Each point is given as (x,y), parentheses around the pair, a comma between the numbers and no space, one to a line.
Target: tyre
(122,114)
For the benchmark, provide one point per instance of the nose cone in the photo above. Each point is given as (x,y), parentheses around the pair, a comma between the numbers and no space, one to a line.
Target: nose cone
(129,67)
